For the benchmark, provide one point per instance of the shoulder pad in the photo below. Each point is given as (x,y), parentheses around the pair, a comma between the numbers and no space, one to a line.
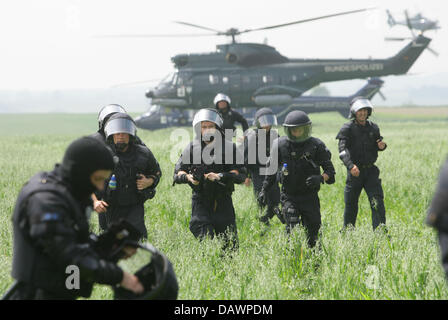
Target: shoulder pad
(316,141)
(142,149)
(282,140)
(373,124)
(344,131)
(98,136)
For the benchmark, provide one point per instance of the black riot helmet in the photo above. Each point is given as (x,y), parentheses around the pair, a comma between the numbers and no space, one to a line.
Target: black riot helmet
(207,114)
(120,123)
(105,113)
(157,277)
(359,103)
(265,117)
(297,121)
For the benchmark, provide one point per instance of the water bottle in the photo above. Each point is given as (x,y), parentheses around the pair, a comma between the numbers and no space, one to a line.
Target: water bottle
(285,169)
(113,183)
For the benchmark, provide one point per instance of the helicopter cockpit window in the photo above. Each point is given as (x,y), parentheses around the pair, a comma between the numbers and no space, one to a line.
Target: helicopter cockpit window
(184,79)
(154,108)
(168,80)
(267,79)
(213,79)
(225,80)
(174,81)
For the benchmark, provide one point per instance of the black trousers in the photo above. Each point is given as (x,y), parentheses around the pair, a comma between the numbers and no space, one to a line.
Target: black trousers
(302,209)
(272,196)
(368,180)
(134,214)
(214,217)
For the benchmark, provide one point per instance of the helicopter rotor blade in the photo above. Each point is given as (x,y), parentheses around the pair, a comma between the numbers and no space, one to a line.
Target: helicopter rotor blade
(382,95)
(197,26)
(154,35)
(434,52)
(396,39)
(408,22)
(134,83)
(307,20)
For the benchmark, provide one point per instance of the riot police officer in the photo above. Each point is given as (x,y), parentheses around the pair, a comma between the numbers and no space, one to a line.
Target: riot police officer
(51,230)
(438,214)
(359,143)
(229,116)
(300,156)
(103,115)
(211,164)
(261,138)
(135,176)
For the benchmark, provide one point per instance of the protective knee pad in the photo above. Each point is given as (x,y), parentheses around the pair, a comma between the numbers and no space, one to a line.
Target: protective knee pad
(291,215)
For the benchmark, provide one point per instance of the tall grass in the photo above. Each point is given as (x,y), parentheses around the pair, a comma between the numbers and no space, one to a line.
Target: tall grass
(356,264)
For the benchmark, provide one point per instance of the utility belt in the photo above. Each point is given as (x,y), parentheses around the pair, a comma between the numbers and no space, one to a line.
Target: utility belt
(365,166)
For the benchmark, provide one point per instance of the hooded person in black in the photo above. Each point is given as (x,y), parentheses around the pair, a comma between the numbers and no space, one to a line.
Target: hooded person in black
(51,230)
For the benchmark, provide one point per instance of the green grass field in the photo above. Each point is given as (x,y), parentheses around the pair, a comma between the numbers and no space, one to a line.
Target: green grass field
(359,264)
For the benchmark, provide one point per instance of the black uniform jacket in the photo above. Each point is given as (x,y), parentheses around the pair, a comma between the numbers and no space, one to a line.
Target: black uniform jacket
(302,160)
(225,159)
(51,233)
(358,144)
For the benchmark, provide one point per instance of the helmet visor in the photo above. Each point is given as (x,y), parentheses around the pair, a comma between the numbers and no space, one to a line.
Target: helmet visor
(207,115)
(298,133)
(154,271)
(266,120)
(107,110)
(119,125)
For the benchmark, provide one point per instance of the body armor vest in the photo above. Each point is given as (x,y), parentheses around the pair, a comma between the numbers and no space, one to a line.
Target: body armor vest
(30,265)
(130,164)
(363,147)
(300,164)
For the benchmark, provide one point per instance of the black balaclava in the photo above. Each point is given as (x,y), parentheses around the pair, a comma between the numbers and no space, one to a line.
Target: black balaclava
(82,158)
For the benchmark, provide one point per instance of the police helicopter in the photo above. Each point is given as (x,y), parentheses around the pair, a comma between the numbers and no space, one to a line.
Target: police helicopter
(417,22)
(256,75)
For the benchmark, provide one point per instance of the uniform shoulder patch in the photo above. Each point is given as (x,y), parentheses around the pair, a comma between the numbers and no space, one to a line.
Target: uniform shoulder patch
(51,216)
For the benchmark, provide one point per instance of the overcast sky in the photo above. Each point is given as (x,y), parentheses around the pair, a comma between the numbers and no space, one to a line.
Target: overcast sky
(48,44)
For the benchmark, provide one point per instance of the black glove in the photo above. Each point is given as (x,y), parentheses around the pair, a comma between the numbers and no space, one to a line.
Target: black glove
(151,193)
(261,199)
(314,181)
(279,215)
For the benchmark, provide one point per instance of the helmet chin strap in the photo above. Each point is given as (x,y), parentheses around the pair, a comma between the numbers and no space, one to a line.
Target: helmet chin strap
(121,146)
